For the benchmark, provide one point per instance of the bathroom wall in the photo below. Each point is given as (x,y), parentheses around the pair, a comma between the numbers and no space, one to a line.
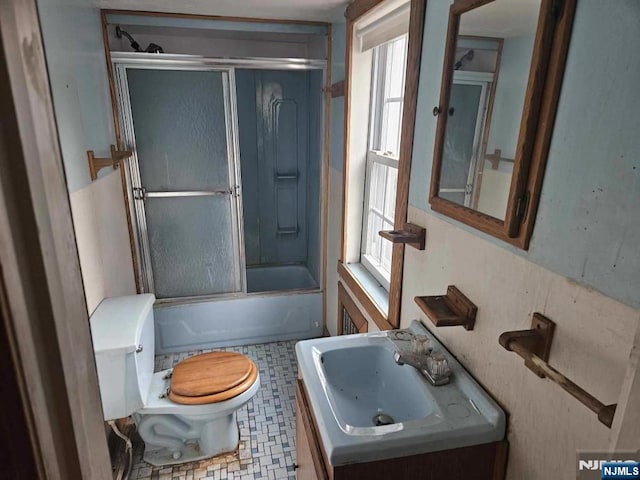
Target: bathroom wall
(334,196)
(583,267)
(74,51)
(77,72)
(103,239)
(587,225)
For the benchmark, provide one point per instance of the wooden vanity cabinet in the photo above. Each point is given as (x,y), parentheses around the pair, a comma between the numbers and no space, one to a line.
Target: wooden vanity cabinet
(479,462)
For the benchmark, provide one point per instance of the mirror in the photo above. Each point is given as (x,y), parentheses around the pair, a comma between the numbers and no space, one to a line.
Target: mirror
(498,74)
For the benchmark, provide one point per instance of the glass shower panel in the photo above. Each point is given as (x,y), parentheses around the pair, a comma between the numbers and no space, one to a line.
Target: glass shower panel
(181,125)
(180,128)
(190,242)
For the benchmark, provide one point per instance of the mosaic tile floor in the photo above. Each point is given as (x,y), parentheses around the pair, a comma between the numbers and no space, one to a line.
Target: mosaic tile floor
(267,424)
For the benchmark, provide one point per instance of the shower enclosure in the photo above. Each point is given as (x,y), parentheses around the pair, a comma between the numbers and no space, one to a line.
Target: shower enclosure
(225,180)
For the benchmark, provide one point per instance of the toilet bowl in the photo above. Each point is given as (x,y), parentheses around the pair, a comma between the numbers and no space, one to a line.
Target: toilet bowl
(182,414)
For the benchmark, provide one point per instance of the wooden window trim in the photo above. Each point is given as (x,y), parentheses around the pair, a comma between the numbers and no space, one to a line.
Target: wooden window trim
(550,51)
(370,306)
(391,319)
(346,302)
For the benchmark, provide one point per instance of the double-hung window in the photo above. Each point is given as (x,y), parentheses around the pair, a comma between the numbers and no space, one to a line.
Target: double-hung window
(385,122)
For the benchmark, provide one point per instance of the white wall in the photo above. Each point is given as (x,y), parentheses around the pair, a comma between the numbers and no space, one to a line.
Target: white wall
(103,239)
(72,36)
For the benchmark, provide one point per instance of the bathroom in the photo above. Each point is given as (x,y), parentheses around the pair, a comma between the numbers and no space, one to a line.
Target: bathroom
(328,123)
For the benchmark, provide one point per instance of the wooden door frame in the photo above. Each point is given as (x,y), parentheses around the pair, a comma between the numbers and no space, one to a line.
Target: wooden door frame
(45,313)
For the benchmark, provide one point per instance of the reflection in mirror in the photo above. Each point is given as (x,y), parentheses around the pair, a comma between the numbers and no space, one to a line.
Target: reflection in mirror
(493,55)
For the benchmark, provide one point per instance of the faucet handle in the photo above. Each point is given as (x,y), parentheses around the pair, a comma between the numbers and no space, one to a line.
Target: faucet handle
(421,345)
(438,366)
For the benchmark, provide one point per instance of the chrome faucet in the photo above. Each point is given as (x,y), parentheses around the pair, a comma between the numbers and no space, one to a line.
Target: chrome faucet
(433,366)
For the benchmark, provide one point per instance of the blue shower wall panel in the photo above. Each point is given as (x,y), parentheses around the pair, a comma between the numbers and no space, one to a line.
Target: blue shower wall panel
(247,119)
(237,321)
(276,149)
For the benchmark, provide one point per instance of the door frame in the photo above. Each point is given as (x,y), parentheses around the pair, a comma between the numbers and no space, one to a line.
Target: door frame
(45,314)
(121,63)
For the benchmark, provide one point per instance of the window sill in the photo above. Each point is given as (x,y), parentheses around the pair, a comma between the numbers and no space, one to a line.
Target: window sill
(373,297)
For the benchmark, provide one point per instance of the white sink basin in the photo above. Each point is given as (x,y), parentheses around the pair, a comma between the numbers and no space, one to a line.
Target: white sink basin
(369,408)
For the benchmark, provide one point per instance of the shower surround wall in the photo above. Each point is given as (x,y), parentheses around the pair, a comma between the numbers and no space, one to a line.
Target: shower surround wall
(279,117)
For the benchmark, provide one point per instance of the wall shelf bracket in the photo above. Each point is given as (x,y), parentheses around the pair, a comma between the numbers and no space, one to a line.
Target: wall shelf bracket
(452,309)
(534,345)
(411,234)
(96,163)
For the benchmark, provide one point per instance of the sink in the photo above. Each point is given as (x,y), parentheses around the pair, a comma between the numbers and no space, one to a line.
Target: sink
(361,385)
(369,408)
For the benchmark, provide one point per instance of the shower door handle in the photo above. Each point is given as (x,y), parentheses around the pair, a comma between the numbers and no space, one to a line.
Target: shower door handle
(188,193)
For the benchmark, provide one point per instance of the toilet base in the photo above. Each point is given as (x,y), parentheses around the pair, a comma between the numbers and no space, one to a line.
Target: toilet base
(175,439)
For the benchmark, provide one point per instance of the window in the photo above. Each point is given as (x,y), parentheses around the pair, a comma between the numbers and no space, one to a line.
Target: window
(387,94)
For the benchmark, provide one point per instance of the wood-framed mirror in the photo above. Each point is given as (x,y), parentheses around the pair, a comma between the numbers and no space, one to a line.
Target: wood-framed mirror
(503,68)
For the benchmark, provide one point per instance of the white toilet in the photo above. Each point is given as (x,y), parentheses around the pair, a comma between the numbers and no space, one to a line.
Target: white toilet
(183,414)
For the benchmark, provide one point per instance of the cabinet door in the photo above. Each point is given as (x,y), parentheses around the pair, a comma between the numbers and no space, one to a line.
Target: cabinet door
(306,470)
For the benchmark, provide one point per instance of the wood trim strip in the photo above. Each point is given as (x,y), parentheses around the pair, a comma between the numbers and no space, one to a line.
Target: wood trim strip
(318,455)
(345,301)
(123,176)
(548,109)
(414,56)
(195,16)
(364,298)
(531,113)
(501,459)
(357,8)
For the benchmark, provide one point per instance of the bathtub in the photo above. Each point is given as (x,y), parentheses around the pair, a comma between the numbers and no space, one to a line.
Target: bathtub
(277,278)
(240,320)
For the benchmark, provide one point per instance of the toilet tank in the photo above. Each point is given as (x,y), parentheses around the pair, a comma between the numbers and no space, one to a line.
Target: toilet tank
(123,341)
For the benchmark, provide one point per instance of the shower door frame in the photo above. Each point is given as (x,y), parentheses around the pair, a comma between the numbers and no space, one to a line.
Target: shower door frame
(134,181)
(121,61)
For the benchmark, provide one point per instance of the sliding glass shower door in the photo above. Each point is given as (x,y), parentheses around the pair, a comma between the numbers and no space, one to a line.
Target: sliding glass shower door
(184,177)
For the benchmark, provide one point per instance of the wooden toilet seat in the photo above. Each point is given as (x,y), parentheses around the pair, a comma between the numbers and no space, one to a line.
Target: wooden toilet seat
(211,377)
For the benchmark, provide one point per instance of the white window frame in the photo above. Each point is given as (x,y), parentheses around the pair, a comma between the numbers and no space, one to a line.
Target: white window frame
(369,262)
(378,102)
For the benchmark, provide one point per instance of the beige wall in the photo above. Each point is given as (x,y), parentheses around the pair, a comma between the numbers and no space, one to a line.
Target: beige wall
(103,240)
(592,343)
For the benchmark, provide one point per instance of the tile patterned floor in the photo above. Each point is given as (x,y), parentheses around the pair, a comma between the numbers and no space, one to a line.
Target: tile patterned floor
(267,424)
